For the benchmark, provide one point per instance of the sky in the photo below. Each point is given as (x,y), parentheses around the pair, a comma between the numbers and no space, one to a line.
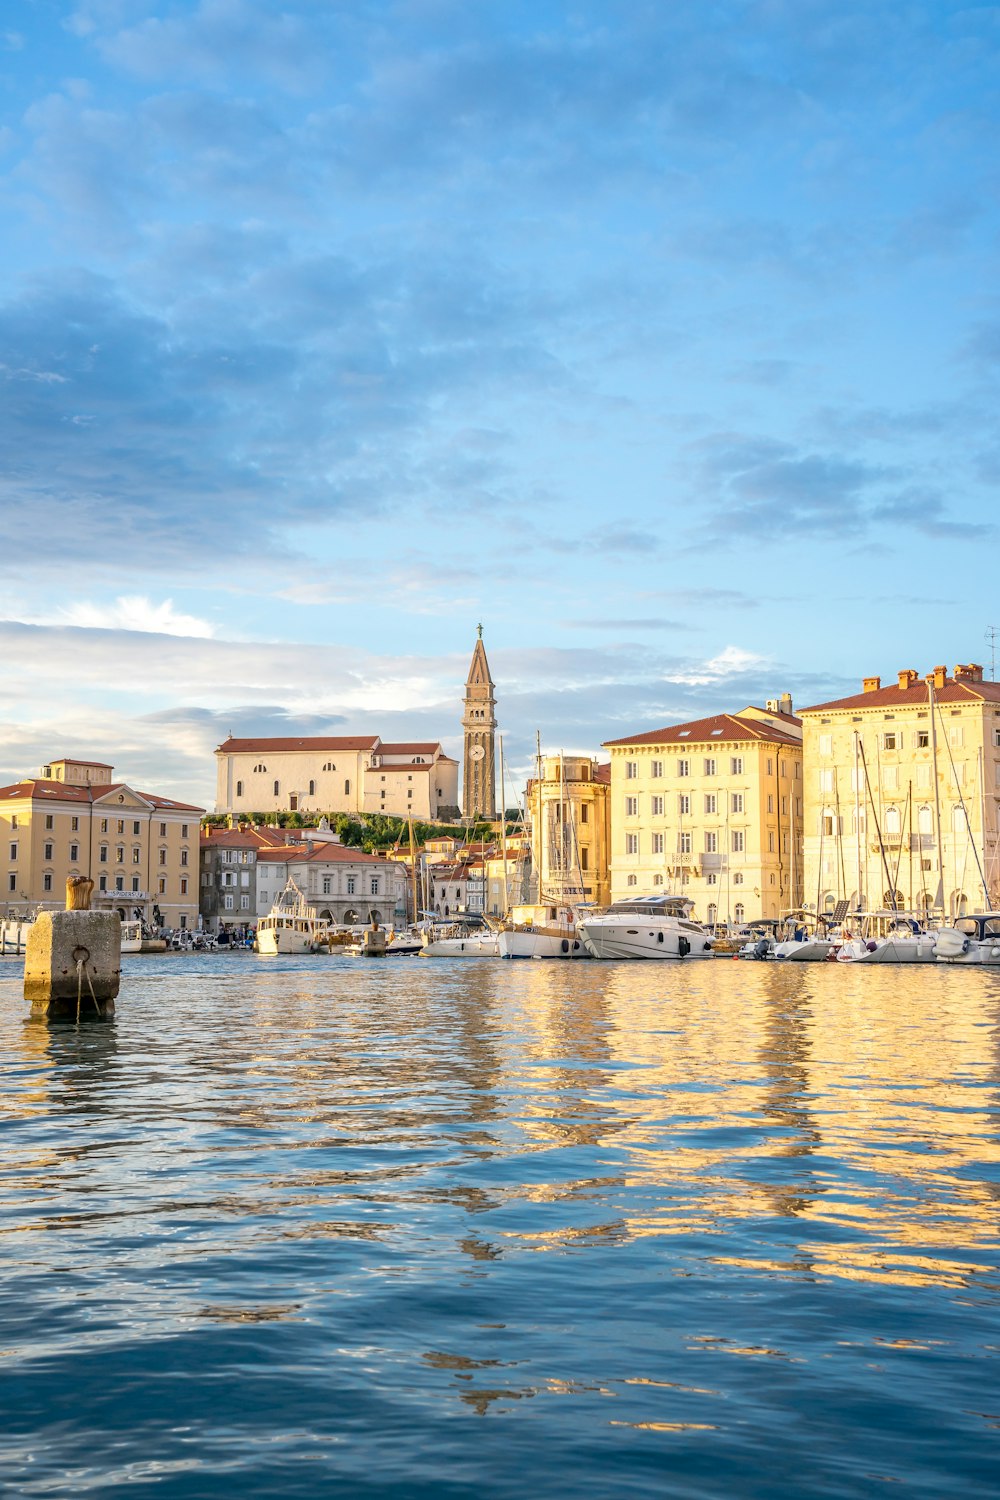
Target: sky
(662,339)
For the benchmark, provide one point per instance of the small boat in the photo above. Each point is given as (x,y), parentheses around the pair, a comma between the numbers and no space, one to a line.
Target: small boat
(888,937)
(131,937)
(460,940)
(291,926)
(541,932)
(806,939)
(14,934)
(971,940)
(646,927)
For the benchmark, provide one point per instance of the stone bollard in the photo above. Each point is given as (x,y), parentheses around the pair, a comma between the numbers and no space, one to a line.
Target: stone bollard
(72,964)
(373,942)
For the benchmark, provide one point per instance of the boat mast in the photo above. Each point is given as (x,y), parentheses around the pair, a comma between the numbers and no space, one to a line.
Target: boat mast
(857,818)
(413,872)
(939,893)
(537,830)
(503,830)
(982,813)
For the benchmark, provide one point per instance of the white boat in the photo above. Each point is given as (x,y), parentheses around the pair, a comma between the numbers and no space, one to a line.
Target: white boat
(802,941)
(541,932)
(131,937)
(888,937)
(972,940)
(291,926)
(397,945)
(456,941)
(646,927)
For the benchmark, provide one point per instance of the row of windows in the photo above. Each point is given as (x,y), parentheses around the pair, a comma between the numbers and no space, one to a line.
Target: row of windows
(102,884)
(311,792)
(709,767)
(887,778)
(710,804)
(891,821)
(737,842)
(74,824)
(920,739)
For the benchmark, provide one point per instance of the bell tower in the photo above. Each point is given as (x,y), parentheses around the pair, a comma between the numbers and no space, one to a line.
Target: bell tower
(479,725)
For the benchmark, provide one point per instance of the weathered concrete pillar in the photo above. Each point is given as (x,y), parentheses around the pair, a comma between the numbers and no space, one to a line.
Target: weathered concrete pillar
(72,964)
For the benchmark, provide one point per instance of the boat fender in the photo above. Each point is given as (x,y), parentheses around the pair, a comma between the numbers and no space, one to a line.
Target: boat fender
(683,947)
(564,945)
(871,945)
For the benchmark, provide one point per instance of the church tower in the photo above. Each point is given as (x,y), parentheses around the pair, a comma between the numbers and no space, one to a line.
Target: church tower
(479,724)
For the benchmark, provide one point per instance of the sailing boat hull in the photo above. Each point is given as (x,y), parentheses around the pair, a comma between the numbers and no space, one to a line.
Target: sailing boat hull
(526,942)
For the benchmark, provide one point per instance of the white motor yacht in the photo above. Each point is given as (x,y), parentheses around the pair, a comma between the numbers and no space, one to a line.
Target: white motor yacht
(460,940)
(291,926)
(971,940)
(646,927)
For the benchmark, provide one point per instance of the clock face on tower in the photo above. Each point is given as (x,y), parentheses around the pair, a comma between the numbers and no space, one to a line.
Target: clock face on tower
(477,753)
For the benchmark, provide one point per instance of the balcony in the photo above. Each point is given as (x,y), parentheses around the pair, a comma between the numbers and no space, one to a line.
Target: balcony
(710,861)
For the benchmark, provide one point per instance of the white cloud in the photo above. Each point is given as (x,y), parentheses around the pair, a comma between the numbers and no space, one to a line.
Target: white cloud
(730,662)
(136,612)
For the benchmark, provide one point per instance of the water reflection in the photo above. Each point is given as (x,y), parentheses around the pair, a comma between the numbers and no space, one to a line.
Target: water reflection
(285,1210)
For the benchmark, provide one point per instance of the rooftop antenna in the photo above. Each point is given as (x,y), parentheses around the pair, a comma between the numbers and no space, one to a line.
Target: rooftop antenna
(991,636)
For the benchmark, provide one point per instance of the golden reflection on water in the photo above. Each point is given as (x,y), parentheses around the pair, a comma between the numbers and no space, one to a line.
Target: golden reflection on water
(860,1104)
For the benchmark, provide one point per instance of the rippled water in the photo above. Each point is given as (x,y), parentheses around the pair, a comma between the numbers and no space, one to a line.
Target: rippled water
(326,1227)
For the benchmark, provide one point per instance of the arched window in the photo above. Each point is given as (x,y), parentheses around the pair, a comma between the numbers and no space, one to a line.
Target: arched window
(657,879)
(312,788)
(261,769)
(239,789)
(277,788)
(329,766)
(892,821)
(829,901)
(347,788)
(738,911)
(959,903)
(631,880)
(712,913)
(924,822)
(958,820)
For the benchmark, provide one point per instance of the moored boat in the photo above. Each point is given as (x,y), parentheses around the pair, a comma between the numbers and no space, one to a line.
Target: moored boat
(973,939)
(291,926)
(541,932)
(647,927)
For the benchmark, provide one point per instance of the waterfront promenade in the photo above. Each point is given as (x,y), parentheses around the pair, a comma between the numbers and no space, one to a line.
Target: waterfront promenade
(304,1227)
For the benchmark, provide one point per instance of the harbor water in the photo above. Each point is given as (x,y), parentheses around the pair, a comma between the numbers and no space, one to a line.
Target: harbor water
(326,1227)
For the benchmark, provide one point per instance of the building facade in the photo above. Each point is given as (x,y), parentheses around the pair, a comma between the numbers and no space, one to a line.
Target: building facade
(569,808)
(139,848)
(228,879)
(902,788)
(711,810)
(479,727)
(331,774)
(340,884)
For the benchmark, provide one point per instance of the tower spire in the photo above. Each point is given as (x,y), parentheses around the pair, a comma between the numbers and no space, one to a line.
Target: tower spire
(479,729)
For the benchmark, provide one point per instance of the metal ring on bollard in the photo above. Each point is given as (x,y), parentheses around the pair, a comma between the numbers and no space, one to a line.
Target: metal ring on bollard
(80,955)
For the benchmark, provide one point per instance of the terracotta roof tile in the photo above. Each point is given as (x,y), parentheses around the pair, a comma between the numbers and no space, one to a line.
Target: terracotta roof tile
(720,729)
(894,696)
(57,791)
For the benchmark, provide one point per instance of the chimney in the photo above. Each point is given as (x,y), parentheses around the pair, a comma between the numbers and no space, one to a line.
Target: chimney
(907,678)
(785,703)
(871,684)
(938,677)
(970,672)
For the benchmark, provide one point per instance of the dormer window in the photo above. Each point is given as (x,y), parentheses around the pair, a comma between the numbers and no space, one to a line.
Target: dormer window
(261,770)
(329,766)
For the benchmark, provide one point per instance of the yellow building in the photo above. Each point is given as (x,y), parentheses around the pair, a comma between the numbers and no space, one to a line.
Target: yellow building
(902,785)
(569,807)
(140,849)
(711,810)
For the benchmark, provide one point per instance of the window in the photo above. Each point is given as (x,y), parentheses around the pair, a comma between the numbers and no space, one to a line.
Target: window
(683,804)
(770,802)
(711,879)
(277,788)
(135,883)
(244,878)
(329,766)
(13,820)
(890,778)
(163,856)
(684,768)
(737,802)
(710,766)
(12,882)
(711,803)
(104,825)
(120,854)
(184,856)
(631,880)
(656,768)
(74,824)
(119,882)
(135,829)
(631,770)
(312,789)
(922,739)
(736,765)
(631,807)
(13,852)
(350,885)
(326,885)
(347,788)
(770,766)
(683,843)
(228,902)
(74,853)
(239,789)
(184,887)
(102,883)
(136,855)
(631,843)
(184,830)
(889,740)
(737,836)
(584,813)
(48,851)
(260,770)
(46,882)
(584,859)
(826,780)
(956,735)
(163,830)
(121,823)
(374,885)
(770,843)
(923,776)
(656,806)
(244,903)
(826,744)
(711,843)
(103,855)
(49,820)
(739,911)
(162,886)
(657,843)
(657,879)
(738,878)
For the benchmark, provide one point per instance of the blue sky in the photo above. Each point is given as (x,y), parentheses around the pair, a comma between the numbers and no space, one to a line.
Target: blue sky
(663,339)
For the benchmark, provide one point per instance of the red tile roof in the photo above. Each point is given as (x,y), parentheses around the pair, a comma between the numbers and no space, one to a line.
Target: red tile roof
(323,742)
(59,760)
(320,854)
(63,791)
(414,749)
(720,729)
(896,697)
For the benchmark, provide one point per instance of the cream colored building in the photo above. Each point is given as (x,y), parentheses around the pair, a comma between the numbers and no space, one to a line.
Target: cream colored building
(140,849)
(570,812)
(331,774)
(711,810)
(902,786)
